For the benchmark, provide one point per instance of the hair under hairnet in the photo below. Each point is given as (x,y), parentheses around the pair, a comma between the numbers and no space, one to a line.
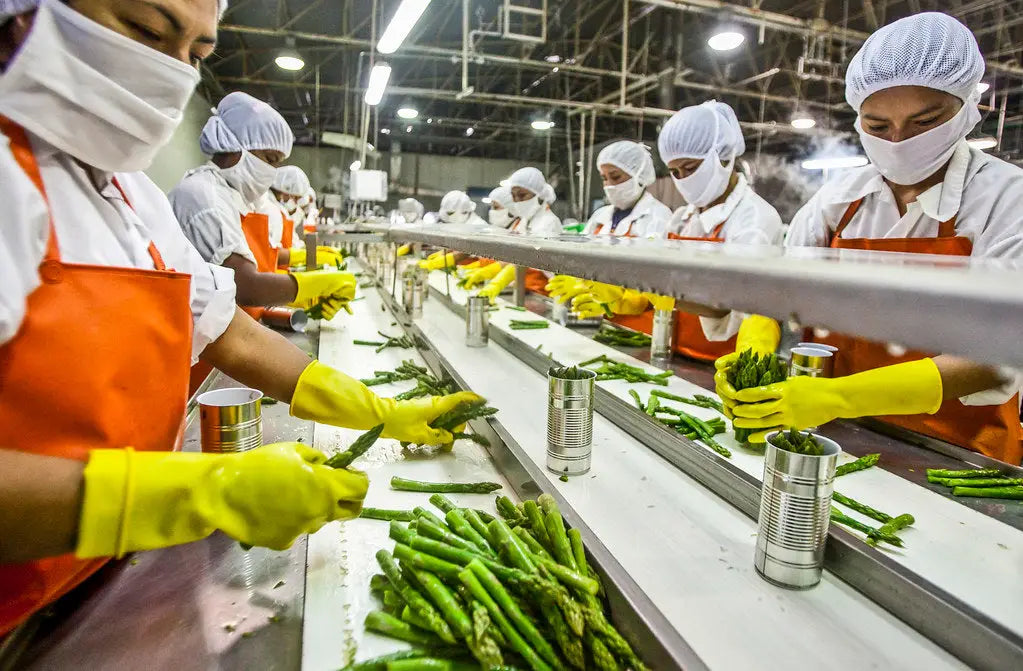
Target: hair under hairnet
(502,196)
(457,201)
(411,205)
(292,180)
(630,157)
(694,132)
(930,49)
(243,122)
(533,180)
(9,8)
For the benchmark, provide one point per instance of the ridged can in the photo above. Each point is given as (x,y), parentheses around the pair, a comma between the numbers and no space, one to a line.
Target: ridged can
(570,423)
(663,333)
(810,361)
(795,510)
(294,319)
(230,420)
(412,295)
(477,321)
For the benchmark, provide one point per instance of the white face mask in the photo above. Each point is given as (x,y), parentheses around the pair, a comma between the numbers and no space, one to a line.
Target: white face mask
(456,217)
(290,206)
(525,209)
(250,176)
(625,195)
(707,184)
(915,159)
(101,97)
(410,216)
(501,218)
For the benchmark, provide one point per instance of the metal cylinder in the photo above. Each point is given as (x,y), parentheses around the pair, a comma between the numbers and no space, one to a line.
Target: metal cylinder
(412,296)
(570,423)
(663,333)
(795,509)
(230,420)
(559,312)
(819,345)
(292,319)
(311,240)
(810,362)
(477,321)
(424,281)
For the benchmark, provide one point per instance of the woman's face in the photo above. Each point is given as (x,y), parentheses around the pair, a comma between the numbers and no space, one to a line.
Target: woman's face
(681,168)
(612,175)
(182,29)
(901,112)
(520,195)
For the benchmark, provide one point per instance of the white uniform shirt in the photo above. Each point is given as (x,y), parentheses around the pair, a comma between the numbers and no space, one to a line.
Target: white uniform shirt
(274,211)
(748,219)
(984,193)
(648,219)
(95,226)
(209,211)
(543,224)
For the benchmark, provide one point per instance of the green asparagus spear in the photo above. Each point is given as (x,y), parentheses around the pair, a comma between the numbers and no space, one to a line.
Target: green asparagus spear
(443,503)
(456,520)
(839,517)
(976,482)
(864,462)
(425,561)
(969,473)
(387,515)
(444,487)
(637,400)
(357,448)
(408,616)
(380,663)
(442,533)
(431,664)
(536,523)
(399,533)
(388,625)
(990,492)
(509,546)
(419,511)
(486,640)
(509,511)
(532,545)
(561,549)
(862,508)
(575,540)
(893,526)
(412,597)
(445,601)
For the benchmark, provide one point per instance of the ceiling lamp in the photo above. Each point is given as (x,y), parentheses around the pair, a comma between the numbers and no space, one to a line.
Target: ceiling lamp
(378,77)
(469,131)
(408,129)
(385,131)
(356,165)
(726,40)
(982,87)
(802,121)
(834,163)
(982,143)
(542,124)
(408,112)
(401,25)
(288,58)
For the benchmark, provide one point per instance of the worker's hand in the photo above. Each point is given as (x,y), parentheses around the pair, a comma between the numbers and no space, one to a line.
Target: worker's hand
(323,287)
(658,302)
(758,333)
(478,263)
(268,497)
(910,388)
(404,250)
(325,256)
(481,275)
(564,288)
(604,300)
(438,261)
(495,286)
(329,396)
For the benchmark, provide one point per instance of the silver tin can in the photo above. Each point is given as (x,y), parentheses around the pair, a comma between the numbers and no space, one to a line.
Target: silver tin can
(477,321)
(810,362)
(570,423)
(230,420)
(795,509)
(819,345)
(663,333)
(412,296)
(424,282)
(293,319)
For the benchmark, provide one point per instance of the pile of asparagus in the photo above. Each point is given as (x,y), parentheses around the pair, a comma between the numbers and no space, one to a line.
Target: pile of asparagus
(890,525)
(528,324)
(986,483)
(516,592)
(568,372)
(798,442)
(688,425)
(610,334)
(753,370)
(615,370)
(404,341)
(408,370)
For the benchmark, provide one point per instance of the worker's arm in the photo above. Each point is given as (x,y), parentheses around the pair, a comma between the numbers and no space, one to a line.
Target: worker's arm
(40,500)
(256,288)
(961,377)
(283,257)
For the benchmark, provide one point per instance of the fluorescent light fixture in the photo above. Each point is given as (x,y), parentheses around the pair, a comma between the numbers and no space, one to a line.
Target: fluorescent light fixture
(356,165)
(290,60)
(430,120)
(556,68)
(542,124)
(982,87)
(377,83)
(726,40)
(401,25)
(487,201)
(982,143)
(408,112)
(553,58)
(803,122)
(469,131)
(408,129)
(385,131)
(834,162)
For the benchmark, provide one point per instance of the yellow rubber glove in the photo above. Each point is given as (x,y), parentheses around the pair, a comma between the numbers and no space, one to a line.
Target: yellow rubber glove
(438,261)
(268,497)
(317,285)
(910,388)
(470,266)
(404,250)
(658,302)
(496,286)
(481,275)
(325,256)
(607,298)
(759,333)
(329,396)
(564,288)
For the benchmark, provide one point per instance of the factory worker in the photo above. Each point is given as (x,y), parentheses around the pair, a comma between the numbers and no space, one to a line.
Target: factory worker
(411,210)
(292,193)
(500,214)
(103,303)
(913,85)
(456,207)
(216,207)
(627,170)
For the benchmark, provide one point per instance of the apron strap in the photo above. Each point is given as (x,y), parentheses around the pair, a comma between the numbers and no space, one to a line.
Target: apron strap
(154,253)
(716,233)
(850,212)
(947,229)
(21,148)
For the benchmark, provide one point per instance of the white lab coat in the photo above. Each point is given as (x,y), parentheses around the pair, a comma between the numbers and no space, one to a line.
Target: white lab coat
(648,219)
(983,192)
(210,211)
(543,224)
(95,226)
(748,219)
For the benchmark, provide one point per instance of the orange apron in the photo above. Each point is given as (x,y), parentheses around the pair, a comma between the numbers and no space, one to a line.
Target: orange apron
(256,228)
(100,361)
(288,234)
(993,430)
(536,280)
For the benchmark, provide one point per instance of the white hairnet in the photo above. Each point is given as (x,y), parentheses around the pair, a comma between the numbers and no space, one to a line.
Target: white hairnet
(457,201)
(243,122)
(9,8)
(292,180)
(502,196)
(533,180)
(930,49)
(411,205)
(693,132)
(630,157)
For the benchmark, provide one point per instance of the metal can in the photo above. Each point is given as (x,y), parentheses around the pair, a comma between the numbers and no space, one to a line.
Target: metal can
(819,345)
(292,319)
(412,296)
(311,241)
(570,423)
(230,420)
(795,510)
(663,333)
(810,361)
(424,281)
(477,321)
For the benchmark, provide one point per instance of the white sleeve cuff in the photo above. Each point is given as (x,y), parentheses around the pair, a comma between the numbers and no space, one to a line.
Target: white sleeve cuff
(721,329)
(997,395)
(219,311)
